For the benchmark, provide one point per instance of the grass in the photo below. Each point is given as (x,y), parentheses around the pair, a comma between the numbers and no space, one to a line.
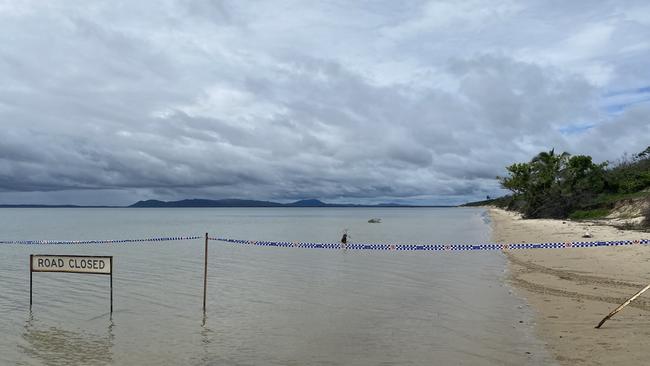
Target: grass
(598,213)
(608,198)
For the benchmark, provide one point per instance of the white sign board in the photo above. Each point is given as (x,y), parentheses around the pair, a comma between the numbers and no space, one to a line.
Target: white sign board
(71,263)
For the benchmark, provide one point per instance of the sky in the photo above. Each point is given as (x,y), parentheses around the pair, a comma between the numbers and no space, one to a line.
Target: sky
(419,102)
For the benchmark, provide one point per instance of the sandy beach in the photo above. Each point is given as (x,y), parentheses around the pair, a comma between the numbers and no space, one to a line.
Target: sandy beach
(571,290)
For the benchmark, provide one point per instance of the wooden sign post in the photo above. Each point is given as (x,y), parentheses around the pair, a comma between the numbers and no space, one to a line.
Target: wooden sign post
(71,264)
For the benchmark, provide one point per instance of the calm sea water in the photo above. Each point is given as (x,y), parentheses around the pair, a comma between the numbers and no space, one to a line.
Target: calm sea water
(266,306)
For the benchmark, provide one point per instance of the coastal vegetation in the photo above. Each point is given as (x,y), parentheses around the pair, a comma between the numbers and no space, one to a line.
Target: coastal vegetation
(561,185)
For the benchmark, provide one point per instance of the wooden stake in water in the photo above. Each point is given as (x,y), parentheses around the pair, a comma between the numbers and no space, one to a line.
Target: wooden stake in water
(205,272)
(622,306)
(31,271)
(111,286)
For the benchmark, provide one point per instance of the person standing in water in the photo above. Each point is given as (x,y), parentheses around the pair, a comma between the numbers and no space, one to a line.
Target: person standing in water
(344,239)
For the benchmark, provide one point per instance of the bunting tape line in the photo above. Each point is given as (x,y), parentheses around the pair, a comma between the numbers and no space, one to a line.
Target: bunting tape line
(435,247)
(352,246)
(109,241)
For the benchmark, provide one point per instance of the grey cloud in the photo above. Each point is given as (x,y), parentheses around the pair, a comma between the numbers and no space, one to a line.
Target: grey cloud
(338,101)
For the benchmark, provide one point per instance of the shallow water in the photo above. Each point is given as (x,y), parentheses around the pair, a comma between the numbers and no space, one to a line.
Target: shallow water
(266,306)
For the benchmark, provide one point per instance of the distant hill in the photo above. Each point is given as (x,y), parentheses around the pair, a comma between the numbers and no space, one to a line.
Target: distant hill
(206,203)
(52,206)
(230,202)
(252,203)
(308,203)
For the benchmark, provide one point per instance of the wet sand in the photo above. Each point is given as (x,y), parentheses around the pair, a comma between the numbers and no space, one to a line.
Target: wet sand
(572,289)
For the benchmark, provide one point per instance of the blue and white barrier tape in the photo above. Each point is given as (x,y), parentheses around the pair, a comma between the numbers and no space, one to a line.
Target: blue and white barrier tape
(435,247)
(353,246)
(109,241)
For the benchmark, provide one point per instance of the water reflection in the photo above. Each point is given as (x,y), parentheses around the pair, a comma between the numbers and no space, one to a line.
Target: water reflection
(54,345)
(265,306)
(206,358)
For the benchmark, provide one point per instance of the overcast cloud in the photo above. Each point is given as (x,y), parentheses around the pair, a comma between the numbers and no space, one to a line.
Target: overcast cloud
(367,101)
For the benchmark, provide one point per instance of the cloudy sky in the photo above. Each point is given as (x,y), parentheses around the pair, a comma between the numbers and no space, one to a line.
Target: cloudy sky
(346,101)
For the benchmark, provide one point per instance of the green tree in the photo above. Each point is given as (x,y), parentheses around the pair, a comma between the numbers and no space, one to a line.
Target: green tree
(554,185)
(551,185)
(518,179)
(582,180)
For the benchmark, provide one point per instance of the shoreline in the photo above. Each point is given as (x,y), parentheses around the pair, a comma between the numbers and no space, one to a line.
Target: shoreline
(570,290)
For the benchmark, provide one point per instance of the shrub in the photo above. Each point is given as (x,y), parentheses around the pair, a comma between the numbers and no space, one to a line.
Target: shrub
(598,213)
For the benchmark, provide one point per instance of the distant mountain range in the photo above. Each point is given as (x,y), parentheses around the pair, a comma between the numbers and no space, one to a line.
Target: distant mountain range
(254,203)
(53,206)
(231,202)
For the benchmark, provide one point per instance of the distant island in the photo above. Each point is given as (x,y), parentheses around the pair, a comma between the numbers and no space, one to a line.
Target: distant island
(230,202)
(255,203)
(51,206)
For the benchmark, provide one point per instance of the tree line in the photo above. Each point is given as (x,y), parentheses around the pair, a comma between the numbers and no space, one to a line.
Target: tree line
(553,185)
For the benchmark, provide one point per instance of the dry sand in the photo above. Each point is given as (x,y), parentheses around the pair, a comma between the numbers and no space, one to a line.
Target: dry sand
(572,289)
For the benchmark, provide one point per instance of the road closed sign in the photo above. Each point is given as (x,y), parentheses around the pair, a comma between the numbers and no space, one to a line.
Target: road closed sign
(71,263)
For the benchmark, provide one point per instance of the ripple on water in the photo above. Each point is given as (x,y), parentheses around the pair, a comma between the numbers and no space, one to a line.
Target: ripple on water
(283,306)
